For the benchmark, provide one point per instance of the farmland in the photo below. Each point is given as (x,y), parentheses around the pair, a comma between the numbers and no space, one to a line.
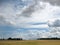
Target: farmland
(30,42)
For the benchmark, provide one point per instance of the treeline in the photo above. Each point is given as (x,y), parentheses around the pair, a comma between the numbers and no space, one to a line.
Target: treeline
(48,38)
(12,39)
(36,39)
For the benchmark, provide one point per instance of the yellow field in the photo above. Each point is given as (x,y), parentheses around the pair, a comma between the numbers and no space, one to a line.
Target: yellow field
(31,42)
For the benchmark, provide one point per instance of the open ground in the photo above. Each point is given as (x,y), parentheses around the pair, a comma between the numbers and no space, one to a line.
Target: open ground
(30,42)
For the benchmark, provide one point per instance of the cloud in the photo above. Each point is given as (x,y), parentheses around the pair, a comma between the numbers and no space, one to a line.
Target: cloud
(30,16)
(4,21)
(31,34)
(28,10)
(53,2)
(36,23)
(40,13)
(54,26)
(55,23)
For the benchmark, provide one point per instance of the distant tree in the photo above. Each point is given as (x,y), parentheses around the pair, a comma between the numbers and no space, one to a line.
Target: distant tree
(9,38)
(55,38)
(14,38)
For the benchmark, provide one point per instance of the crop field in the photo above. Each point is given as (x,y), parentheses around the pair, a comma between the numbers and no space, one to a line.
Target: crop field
(30,42)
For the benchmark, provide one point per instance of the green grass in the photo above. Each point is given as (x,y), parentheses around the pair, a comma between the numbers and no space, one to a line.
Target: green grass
(31,42)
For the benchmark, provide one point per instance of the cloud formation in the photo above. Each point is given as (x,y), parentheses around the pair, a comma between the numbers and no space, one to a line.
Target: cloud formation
(29,18)
(53,2)
(54,23)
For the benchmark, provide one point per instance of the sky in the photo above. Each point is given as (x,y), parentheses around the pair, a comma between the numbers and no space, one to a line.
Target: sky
(29,19)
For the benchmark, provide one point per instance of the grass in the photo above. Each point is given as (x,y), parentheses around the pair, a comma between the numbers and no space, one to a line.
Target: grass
(31,42)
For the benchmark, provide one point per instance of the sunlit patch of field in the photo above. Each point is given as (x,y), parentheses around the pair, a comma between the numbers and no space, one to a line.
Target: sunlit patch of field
(30,42)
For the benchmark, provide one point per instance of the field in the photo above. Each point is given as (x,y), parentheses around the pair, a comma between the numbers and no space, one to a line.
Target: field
(31,42)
